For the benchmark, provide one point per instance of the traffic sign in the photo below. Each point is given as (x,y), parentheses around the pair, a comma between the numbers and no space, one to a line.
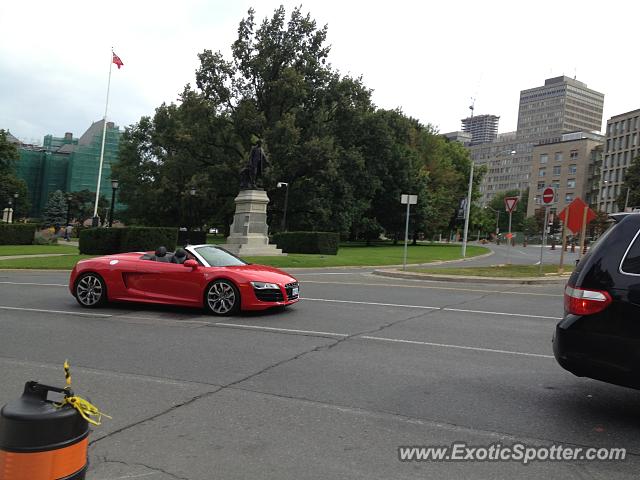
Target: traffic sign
(510,203)
(408,199)
(548,195)
(576,210)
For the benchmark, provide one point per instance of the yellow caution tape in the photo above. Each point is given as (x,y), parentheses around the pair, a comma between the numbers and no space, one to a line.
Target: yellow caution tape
(67,373)
(86,409)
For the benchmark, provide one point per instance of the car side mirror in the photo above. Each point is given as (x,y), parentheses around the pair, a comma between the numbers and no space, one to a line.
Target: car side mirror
(191,264)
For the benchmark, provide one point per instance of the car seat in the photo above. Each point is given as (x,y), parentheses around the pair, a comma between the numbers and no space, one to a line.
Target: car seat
(161,255)
(180,256)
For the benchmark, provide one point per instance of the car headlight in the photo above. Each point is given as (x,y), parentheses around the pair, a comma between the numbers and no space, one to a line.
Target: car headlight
(265,286)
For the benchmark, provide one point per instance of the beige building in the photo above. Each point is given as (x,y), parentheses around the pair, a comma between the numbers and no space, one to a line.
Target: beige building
(622,145)
(569,166)
(562,105)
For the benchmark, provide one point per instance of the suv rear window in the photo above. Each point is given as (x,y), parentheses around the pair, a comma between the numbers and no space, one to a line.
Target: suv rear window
(631,262)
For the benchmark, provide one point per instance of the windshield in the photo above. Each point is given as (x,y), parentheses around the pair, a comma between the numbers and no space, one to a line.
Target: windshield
(217,257)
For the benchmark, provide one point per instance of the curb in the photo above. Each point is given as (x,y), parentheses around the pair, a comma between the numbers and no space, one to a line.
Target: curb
(469,279)
(364,267)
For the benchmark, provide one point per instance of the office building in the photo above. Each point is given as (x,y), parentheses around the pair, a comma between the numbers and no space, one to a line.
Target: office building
(562,105)
(621,147)
(483,128)
(569,166)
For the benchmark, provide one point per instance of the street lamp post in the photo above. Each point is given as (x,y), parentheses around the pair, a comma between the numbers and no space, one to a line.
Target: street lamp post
(467,212)
(69,198)
(192,215)
(114,187)
(626,201)
(15,204)
(283,227)
(497,220)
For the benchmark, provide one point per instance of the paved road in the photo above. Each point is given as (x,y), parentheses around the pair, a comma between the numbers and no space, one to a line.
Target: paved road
(327,389)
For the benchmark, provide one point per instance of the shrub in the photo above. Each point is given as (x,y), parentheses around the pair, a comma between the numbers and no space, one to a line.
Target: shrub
(100,241)
(325,243)
(105,241)
(194,237)
(17,233)
(135,239)
(45,237)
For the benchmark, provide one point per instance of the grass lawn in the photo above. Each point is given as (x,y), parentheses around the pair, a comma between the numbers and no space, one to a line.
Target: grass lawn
(502,271)
(384,254)
(216,239)
(62,247)
(66,262)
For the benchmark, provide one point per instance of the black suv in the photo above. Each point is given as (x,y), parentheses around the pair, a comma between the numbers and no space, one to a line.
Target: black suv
(599,335)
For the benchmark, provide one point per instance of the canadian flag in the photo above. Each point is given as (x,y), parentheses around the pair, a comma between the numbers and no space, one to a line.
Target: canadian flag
(117,61)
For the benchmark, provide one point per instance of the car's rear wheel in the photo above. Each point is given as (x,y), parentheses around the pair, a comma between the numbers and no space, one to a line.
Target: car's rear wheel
(222,298)
(90,290)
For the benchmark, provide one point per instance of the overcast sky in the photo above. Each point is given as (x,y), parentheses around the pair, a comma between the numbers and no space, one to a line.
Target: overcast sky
(428,58)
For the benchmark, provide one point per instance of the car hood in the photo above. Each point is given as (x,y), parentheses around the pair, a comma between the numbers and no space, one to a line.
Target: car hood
(263,273)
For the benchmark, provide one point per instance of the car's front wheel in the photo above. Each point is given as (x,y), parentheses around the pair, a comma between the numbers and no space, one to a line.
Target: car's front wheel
(90,290)
(222,298)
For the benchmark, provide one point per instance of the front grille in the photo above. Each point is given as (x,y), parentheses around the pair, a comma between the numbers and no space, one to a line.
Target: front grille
(289,288)
(268,295)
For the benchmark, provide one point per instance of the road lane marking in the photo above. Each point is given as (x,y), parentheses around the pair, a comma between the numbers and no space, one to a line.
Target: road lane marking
(63,312)
(501,313)
(477,290)
(461,347)
(446,309)
(432,287)
(274,329)
(327,273)
(369,303)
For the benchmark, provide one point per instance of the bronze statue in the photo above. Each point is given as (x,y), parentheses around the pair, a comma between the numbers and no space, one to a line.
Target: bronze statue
(254,169)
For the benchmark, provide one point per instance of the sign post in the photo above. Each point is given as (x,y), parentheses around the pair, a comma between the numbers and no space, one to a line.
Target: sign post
(408,200)
(576,216)
(510,205)
(548,197)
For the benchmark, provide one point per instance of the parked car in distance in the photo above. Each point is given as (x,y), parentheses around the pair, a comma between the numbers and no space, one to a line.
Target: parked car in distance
(599,335)
(201,276)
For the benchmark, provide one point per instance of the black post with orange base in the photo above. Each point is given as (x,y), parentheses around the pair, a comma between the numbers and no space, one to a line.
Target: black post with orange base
(41,441)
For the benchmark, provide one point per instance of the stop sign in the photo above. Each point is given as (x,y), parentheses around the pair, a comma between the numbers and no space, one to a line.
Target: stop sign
(548,195)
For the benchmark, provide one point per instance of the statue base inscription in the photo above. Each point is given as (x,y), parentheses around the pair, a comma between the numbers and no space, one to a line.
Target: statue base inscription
(249,230)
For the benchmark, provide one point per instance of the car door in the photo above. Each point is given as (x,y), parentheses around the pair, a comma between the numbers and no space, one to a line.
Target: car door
(166,282)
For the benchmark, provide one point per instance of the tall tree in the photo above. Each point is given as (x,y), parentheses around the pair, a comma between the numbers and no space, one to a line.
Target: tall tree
(9,183)
(346,162)
(55,212)
(632,185)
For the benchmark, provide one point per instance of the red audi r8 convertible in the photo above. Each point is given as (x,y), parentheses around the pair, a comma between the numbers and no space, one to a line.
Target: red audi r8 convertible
(196,276)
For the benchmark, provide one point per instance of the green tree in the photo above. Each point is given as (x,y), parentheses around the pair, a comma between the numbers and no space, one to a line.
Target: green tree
(9,183)
(8,154)
(82,203)
(632,185)
(55,213)
(345,161)
(518,215)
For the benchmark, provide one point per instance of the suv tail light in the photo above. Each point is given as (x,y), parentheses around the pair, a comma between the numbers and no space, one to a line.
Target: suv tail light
(585,302)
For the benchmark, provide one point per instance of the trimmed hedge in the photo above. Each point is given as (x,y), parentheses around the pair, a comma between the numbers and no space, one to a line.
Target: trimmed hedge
(325,243)
(194,237)
(100,241)
(17,233)
(141,239)
(105,241)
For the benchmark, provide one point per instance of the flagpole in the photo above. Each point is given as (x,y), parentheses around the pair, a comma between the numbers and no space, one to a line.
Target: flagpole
(104,134)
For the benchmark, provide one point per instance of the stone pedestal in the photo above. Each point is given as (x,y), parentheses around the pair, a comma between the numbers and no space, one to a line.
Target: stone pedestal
(249,230)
